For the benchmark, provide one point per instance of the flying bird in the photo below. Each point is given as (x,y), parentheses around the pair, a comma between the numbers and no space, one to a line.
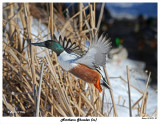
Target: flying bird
(83,64)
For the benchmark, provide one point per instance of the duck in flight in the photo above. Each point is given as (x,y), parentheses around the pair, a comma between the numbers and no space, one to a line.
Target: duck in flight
(83,64)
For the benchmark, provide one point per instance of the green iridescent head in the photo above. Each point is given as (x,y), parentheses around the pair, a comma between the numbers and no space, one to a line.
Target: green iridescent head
(51,44)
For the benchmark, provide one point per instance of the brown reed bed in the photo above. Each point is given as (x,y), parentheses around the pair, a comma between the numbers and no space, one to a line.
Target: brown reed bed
(37,86)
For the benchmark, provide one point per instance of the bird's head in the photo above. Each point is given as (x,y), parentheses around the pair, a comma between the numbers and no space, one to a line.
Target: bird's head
(51,44)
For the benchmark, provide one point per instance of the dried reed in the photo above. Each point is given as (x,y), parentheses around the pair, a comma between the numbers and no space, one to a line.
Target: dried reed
(129,92)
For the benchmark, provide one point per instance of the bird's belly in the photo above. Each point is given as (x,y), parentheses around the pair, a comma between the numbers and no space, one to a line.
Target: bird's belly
(85,73)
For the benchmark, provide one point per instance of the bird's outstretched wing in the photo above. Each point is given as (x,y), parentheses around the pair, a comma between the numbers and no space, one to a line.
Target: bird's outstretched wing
(96,55)
(70,47)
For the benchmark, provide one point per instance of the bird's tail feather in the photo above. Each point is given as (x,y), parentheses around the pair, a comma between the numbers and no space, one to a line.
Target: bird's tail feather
(104,82)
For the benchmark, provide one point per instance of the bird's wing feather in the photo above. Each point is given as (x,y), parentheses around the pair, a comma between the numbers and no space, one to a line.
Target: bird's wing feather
(96,55)
(70,47)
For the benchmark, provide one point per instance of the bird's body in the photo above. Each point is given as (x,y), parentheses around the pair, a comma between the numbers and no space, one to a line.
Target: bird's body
(67,62)
(83,65)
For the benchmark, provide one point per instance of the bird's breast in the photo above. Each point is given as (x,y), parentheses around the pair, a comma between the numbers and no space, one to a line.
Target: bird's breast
(66,61)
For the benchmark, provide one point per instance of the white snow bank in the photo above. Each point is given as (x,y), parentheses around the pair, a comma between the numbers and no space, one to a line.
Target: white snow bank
(120,89)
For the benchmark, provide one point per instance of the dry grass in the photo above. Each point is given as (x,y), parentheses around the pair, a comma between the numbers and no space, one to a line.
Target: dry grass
(29,90)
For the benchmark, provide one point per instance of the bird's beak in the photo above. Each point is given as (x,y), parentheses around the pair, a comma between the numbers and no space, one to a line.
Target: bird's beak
(41,44)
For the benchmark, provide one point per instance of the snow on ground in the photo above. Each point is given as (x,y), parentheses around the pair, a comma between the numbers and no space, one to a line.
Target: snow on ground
(120,89)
